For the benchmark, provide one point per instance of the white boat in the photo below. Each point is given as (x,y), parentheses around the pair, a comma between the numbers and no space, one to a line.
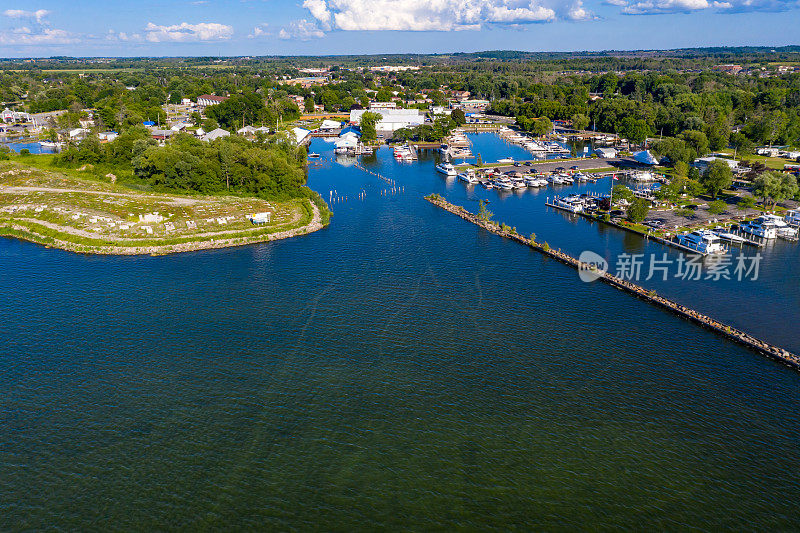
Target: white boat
(702,241)
(503,183)
(783,228)
(468,177)
(506,160)
(760,227)
(573,204)
(313,155)
(726,235)
(555,179)
(533,181)
(566,179)
(443,149)
(446,168)
(793,217)
(580,176)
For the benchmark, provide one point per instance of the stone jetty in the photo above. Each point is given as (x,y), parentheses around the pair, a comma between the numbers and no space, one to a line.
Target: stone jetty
(774,352)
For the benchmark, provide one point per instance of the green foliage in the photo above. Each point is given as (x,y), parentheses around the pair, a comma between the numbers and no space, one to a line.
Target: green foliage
(580,121)
(748,202)
(479,160)
(24,152)
(458,117)
(633,129)
(774,187)
(367,125)
(717,207)
(717,178)
(483,213)
(621,192)
(638,210)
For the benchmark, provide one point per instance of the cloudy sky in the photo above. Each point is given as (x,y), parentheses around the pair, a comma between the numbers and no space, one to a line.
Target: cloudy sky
(265,27)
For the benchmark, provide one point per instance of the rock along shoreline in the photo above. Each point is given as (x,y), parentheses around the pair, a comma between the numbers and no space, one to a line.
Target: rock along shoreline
(24,233)
(770,350)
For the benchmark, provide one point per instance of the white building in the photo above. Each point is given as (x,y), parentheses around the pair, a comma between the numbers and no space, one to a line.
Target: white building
(206,100)
(216,134)
(391,119)
(606,153)
(703,163)
(300,134)
(107,136)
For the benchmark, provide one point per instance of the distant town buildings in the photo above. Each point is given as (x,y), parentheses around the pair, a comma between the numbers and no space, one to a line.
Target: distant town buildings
(206,100)
(729,69)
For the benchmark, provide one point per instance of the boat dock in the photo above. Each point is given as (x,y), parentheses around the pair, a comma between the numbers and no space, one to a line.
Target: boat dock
(770,350)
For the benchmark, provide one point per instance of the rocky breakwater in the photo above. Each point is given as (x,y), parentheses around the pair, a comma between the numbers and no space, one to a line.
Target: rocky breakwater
(770,350)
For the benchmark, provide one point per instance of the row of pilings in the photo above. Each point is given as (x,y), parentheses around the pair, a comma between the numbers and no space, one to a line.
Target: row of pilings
(770,350)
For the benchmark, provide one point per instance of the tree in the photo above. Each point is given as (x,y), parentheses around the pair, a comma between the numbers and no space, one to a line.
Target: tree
(748,202)
(681,169)
(483,213)
(458,117)
(767,186)
(367,125)
(696,141)
(210,124)
(580,121)
(308,104)
(717,207)
(479,161)
(635,130)
(742,144)
(638,210)
(621,192)
(717,177)
(541,126)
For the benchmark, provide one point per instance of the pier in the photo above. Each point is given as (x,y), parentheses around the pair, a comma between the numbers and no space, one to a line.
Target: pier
(770,350)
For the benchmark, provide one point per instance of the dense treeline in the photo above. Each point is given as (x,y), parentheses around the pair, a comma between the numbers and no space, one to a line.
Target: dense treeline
(233,164)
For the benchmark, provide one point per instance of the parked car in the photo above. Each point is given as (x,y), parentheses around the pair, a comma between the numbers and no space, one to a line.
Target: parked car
(574,167)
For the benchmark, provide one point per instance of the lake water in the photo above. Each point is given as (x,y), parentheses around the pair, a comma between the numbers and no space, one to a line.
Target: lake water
(398,369)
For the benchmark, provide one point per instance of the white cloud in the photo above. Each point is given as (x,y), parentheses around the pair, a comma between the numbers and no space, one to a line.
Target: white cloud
(25,36)
(301,29)
(185,32)
(36,31)
(262,30)
(654,7)
(438,15)
(38,15)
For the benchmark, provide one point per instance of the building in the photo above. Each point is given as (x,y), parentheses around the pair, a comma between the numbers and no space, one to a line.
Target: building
(391,119)
(300,134)
(606,153)
(305,83)
(387,68)
(330,125)
(729,69)
(703,163)
(107,136)
(480,105)
(383,105)
(162,135)
(206,100)
(216,134)
(9,116)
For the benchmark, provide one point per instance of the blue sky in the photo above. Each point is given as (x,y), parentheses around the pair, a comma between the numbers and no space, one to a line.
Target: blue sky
(265,27)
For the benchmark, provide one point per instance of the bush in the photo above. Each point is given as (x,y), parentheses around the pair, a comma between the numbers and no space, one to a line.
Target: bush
(746,203)
(24,152)
(717,207)
(638,210)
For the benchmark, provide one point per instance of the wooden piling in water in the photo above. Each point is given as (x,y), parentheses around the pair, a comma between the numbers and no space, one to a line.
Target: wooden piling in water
(770,350)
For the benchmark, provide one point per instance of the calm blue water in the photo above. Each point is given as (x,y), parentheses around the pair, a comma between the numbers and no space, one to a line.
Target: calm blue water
(399,369)
(33,147)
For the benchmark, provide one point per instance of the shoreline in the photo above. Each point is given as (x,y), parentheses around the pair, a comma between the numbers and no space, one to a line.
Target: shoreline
(21,232)
(772,351)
